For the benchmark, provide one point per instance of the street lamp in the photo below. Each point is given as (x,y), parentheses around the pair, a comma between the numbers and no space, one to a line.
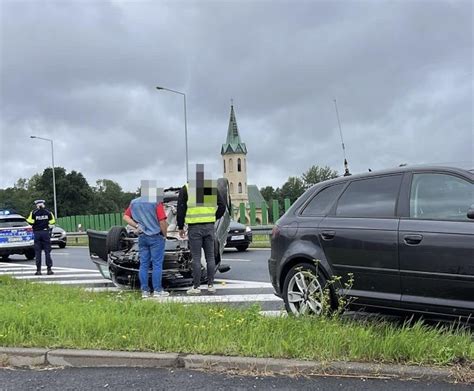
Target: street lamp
(54,179)
(185,126)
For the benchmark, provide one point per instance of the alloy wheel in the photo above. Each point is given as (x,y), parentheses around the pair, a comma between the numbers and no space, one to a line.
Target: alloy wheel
(305,294)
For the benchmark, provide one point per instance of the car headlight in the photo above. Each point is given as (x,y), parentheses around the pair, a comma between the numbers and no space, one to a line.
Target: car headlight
(248,229)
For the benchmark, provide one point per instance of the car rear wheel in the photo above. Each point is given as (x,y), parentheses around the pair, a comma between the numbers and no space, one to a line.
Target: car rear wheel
(242,248)
(115,239)
(303,290)
(30,254)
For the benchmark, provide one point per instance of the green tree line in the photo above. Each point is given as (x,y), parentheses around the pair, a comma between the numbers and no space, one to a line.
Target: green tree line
(74,195)
(295,186)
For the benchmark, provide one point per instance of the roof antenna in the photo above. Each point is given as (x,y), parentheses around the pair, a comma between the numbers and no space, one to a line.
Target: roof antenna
(346,166)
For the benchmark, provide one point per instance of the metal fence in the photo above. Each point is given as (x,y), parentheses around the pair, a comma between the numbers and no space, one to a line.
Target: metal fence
(261,233)
(253,215)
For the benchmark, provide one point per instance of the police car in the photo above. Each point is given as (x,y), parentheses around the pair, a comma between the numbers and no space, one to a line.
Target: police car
(16,235)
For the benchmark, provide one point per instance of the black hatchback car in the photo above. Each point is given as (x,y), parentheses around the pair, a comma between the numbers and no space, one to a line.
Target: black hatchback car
(406,235)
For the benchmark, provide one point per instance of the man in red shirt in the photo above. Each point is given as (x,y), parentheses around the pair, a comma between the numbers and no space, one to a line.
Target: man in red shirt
(148,216)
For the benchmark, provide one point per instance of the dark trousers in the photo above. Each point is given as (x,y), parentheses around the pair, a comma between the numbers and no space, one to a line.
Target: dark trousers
(202,236)
(43,242)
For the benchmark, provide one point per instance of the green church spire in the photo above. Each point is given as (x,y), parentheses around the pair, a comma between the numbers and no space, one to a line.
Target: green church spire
(233,143)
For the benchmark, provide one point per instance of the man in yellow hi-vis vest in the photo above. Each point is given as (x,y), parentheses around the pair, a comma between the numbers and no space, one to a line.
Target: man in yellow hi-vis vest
(199,206)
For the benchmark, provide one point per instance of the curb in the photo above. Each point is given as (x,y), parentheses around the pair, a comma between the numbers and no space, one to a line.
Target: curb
(105,358)
(22,357)
(26,357)
(341,368)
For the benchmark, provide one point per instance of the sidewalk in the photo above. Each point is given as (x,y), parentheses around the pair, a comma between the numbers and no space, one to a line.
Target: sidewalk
(26,357)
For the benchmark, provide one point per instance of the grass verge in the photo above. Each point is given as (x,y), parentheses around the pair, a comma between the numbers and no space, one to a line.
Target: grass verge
(78,241)
(260,241)
(37,315)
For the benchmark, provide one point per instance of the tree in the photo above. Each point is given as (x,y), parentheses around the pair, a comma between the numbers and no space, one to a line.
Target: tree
(76,196)
(108,196)
(19,197)
(292,189)
(43,187)
(317,174)
(269,193)
(73,193)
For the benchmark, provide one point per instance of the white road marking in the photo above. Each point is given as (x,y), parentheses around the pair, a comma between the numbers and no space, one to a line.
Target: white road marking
(56,253)
(95,275)
(5,270)
(106,289)
(217,298)
(248,284)
(77,282)
(273,314)
(236,260)
(10,265)
(14,266)
(220,286)
(32,271)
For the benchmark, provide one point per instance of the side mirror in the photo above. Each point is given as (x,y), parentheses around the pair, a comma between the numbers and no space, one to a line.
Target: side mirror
(470,212)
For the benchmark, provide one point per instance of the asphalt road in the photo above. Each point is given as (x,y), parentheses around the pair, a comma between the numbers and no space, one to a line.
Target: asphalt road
(181,379)
(250,265)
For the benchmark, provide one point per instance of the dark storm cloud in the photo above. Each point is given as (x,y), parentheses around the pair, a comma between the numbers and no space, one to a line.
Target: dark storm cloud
(84,73)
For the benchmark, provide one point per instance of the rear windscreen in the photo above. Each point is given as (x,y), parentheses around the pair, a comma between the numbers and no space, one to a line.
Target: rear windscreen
(13,222)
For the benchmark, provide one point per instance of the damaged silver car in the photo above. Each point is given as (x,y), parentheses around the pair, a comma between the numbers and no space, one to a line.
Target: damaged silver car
(115,253)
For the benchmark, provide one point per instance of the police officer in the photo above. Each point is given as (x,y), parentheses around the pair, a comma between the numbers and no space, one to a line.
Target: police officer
(199,207)
(40,219)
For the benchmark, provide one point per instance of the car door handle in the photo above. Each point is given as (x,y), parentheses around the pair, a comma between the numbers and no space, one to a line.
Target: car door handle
(413,239)
(328,235)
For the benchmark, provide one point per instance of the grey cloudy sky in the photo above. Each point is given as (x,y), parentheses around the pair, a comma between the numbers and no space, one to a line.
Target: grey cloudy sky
(83,73)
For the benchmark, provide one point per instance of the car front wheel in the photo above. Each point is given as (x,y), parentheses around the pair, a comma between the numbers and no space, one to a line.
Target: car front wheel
(303,290)
(30,254)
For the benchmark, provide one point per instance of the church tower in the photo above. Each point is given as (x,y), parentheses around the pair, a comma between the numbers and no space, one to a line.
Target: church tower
(234,160)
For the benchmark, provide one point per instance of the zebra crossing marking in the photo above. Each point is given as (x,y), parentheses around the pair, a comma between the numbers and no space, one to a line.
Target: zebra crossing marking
(92,281)
(217,298)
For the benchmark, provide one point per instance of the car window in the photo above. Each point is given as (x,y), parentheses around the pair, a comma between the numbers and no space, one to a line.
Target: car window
(322,202)
(440,197)
(13,222)
(372,197)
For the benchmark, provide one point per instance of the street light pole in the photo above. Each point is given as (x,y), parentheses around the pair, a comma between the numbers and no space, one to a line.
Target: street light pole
(54,177)
(185,126)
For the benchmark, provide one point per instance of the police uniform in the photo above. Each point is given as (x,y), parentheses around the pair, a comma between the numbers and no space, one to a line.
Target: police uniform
(41,218)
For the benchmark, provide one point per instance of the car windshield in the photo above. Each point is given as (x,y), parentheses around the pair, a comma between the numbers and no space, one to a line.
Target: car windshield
(13,222)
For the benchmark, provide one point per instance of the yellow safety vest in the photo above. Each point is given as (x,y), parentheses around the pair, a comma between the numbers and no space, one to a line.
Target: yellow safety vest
(203,213)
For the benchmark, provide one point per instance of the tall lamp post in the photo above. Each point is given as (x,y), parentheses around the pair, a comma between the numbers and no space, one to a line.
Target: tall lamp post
(54,178)
(185,125)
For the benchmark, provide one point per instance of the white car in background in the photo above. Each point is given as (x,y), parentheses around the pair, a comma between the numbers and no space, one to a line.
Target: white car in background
(58,236)
(16,235)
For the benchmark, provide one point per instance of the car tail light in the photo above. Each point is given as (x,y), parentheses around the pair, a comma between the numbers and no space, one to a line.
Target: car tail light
(275,231)
(29,229)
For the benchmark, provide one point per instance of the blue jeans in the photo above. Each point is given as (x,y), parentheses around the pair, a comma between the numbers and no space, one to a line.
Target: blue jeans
(151,250)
